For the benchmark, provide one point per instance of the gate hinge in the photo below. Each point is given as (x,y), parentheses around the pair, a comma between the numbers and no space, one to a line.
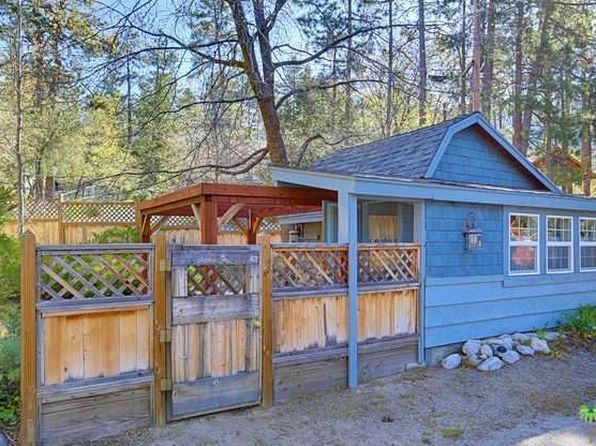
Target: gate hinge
(166,384)
(165,265)
(165,335)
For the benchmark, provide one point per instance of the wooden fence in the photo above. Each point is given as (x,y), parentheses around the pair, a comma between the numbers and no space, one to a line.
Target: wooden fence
(120,336)
(77,222)
(310,317)
(87,340)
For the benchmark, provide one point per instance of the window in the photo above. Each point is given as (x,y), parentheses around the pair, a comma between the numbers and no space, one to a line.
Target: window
(523,244)
(587,244)
(559,244)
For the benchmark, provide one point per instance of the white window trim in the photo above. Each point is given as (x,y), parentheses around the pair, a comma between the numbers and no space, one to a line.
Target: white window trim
(511,243)
(582,244)
(568,244)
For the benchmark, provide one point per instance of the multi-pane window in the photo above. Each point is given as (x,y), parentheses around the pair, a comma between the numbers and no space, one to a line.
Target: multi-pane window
(523,244)
(587,244)
(559,244)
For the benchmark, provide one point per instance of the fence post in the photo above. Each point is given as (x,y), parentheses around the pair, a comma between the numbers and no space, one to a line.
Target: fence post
(160,262)
(267,333)
(29,421)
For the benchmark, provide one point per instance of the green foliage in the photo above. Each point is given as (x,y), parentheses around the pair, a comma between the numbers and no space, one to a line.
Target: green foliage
(117,235)
(583,322)
(9,269)
(9,363)
(587,413)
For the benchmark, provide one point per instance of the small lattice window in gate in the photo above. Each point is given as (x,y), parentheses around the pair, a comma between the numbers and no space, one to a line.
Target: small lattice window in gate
(216,280)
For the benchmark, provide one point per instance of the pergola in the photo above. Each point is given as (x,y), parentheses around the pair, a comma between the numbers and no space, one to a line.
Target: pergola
(215,204)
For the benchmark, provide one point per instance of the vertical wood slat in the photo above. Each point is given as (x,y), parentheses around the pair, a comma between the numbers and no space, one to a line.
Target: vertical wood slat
(29,422)
(160,323)
(267,316)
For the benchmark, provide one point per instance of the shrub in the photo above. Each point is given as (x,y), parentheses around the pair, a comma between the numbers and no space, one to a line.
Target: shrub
(9,269)
(117,235)
(9,363)
(582,325)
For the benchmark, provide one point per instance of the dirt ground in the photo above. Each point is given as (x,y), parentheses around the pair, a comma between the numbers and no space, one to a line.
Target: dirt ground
(532,403)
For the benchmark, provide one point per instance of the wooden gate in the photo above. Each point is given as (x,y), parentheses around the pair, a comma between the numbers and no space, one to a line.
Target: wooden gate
(214,316)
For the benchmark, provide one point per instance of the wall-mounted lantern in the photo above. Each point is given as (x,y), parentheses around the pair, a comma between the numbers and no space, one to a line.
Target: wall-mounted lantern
(472,233)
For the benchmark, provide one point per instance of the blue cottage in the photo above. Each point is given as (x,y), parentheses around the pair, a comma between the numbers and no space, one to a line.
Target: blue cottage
(503,248)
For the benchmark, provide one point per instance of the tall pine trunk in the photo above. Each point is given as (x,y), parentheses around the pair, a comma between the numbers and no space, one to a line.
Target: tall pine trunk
(462,61)
(586,142)
(387,128)
(19,118)
(489,60)
(422,72)
(518,79)
(477,57)
(536,70)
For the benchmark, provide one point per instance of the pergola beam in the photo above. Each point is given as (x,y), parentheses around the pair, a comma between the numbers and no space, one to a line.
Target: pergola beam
(230,202)
(229,214)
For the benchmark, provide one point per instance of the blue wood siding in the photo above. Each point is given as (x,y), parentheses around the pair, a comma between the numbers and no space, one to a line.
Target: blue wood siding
(472,157)
(463,309)
(464,305)
(445,253)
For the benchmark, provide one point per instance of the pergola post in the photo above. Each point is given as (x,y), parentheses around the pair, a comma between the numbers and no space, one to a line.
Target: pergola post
(208,224)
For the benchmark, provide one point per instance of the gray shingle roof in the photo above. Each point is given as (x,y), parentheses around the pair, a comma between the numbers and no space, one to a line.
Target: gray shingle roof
(406,155)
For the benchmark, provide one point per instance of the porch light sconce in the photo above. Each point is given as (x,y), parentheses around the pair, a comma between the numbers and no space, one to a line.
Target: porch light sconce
(472,234)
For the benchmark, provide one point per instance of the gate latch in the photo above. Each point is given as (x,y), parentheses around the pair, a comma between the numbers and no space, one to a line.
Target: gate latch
(256,323)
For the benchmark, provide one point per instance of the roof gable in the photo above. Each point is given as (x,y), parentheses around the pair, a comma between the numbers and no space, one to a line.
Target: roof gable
(417,154)
(473,157)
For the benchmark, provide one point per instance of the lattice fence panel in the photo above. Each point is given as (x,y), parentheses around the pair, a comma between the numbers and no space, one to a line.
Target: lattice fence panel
(216,279)
(302,267)
(83,275)
(97,212)
(382,264)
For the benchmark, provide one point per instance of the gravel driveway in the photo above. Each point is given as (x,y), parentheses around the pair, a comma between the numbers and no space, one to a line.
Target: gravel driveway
(534,402)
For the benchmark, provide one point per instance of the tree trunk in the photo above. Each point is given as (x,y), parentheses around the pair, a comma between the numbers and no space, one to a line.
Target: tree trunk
(517,83)
(586,143)
(422,72)
(19,118)
(262,87)
(349,62)
(477,58)
(488,69)
(536,70)
(389,92)
(462,61)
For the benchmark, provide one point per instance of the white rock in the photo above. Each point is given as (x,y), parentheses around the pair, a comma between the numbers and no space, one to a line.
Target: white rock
(539,345)
(485,351)
(522,338)
(525,350)
(452,361)
(490,364)
(507,341)
(551,336)
(493,341)
(471,360)
(471,347)
(511,357)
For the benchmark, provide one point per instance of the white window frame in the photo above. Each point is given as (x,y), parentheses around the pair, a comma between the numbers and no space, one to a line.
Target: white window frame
(535,244)
(568,244)
(582,244)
